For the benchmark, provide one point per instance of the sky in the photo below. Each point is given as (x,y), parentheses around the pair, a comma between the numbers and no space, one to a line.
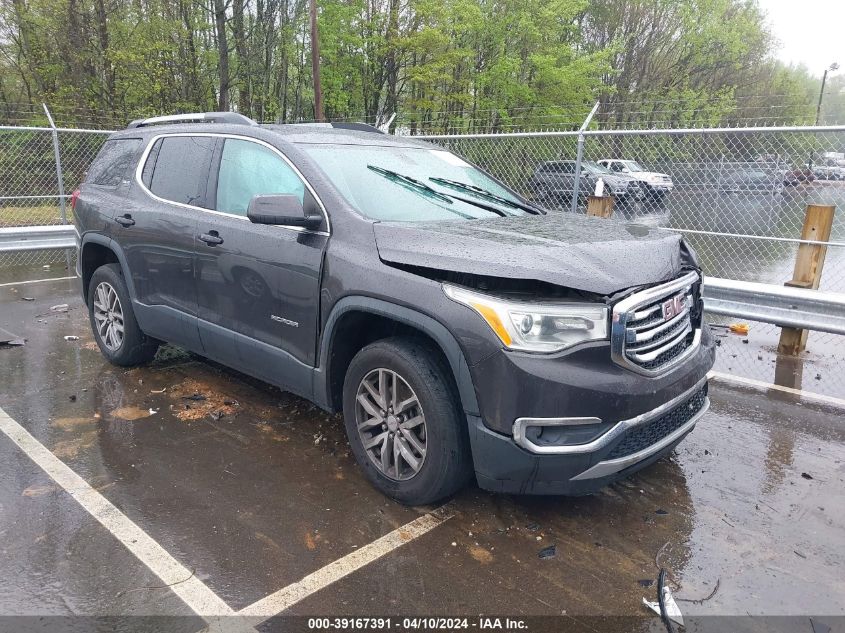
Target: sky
(810,31)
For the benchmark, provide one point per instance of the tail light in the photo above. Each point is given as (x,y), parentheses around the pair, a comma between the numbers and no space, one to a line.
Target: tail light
(73,198)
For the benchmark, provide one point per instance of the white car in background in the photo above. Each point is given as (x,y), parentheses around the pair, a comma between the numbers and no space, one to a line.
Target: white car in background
(653,183)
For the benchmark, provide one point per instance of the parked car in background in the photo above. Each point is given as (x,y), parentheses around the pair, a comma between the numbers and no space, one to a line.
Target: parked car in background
(750,180)
(460,329)
(829,169)
(797,176)
(553,182)
(654,184)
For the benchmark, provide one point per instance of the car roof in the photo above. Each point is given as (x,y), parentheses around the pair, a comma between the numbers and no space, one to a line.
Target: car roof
(297,133)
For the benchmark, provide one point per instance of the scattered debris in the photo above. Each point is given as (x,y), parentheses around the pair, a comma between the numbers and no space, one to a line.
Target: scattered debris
(702,600)
(131,413)
(818,376)
(645,582)
(158,390)
(27,298)
(481,555)
(62,307)
(71,337)
(806,475)
(547,552)
(318,437)
(532,527)
(728,522)
(72,397)
(196,397)
(216,415)
(797,553)
(7,338)
(231,403)
(739,328)
(665,607)
(661,512)
(745,341)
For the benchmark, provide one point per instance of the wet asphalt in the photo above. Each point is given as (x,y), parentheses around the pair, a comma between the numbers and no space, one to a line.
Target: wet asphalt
(252,489)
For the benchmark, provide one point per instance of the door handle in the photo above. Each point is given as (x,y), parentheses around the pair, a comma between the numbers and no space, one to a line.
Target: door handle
(211,238)
(124,220)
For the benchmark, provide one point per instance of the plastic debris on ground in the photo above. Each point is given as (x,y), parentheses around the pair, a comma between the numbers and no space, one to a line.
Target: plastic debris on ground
(665,606)
(12,340)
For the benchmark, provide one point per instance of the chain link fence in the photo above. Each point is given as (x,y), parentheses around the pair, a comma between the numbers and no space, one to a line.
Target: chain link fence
(30,194)
(738,194)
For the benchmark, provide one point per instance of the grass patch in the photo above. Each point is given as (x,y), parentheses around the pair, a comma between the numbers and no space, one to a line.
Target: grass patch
(32,215)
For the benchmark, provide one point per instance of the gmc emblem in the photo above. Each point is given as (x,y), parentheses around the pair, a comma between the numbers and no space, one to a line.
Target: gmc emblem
(673,307)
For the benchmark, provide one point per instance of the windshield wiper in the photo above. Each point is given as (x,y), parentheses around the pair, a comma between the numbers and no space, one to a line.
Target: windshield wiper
(412,183)
(489,195)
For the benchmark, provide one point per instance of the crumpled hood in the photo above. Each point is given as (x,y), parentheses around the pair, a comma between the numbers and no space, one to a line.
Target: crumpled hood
(574,251)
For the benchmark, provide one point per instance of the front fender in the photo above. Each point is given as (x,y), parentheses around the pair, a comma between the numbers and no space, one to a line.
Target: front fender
(426,324)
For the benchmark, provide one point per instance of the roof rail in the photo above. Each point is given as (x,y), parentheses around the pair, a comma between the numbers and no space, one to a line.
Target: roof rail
(233,118)
(361,127)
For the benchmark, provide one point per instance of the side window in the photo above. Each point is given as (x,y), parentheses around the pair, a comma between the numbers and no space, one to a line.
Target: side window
(617,166)
(567,168)
(178,168)
(248,169)
(112,162)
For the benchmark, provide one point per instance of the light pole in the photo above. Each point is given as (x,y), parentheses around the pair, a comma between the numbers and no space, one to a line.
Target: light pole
(833,67)
(315,62)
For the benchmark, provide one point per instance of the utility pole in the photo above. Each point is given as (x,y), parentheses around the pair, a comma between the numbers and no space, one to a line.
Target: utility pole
(833,67)
(315,63)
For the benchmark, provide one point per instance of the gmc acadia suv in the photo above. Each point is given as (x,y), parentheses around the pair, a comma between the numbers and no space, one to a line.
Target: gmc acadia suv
(459,328)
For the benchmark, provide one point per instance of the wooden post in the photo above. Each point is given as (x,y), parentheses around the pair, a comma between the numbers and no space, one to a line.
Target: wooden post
(809,263)
(600,206)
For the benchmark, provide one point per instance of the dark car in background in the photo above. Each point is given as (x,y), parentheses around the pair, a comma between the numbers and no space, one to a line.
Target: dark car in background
(553,182)
(460,329)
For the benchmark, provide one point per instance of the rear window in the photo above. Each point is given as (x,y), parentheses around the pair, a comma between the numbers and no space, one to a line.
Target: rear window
(112,162)
(177,169)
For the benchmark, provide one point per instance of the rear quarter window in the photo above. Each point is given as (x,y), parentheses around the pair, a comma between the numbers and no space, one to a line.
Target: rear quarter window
(113,162)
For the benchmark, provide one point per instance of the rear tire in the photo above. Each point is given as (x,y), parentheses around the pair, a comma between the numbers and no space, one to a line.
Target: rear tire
(113,321)
(400,399)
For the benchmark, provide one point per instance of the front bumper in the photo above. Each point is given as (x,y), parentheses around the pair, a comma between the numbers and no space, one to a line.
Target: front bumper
(503,466)
(646,416)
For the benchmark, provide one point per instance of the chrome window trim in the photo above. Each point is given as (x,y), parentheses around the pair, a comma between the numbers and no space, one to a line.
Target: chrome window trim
(600,442)
(140,169)
(619,321)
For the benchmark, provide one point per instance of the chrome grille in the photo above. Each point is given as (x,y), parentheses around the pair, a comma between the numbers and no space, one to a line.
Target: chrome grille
(658,327)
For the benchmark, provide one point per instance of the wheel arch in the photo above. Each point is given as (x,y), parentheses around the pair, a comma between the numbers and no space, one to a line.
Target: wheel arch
(357,321)
(97,250)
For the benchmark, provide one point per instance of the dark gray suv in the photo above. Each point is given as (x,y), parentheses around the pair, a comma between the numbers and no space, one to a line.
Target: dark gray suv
(460,329)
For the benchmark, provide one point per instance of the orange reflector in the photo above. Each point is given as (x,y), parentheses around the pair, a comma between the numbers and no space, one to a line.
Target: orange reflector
(493,321)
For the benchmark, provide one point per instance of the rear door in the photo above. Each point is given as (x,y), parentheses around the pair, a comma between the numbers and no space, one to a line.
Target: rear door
(158,229)
(258,285)
(106,185)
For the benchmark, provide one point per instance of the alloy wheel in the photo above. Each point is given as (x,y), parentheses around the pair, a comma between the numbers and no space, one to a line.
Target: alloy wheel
(108,316)
(391,424)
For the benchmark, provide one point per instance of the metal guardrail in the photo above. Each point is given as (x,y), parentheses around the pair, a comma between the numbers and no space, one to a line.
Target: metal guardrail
(37,238)
(780,305)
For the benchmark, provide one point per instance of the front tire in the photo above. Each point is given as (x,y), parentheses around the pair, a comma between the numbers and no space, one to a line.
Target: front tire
(113,322)
(404,422)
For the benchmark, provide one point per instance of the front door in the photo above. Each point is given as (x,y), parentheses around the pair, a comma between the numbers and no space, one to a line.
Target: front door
(258,285)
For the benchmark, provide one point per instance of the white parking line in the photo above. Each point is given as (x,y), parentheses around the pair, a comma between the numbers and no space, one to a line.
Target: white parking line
(35,281)
(285,598)
(809,395)
(192,591)
(196,594)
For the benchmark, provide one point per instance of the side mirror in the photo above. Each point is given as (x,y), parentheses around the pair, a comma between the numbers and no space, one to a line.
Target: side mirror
(281,209)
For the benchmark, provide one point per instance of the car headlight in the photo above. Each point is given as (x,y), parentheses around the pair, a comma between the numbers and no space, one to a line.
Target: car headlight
(536,327)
